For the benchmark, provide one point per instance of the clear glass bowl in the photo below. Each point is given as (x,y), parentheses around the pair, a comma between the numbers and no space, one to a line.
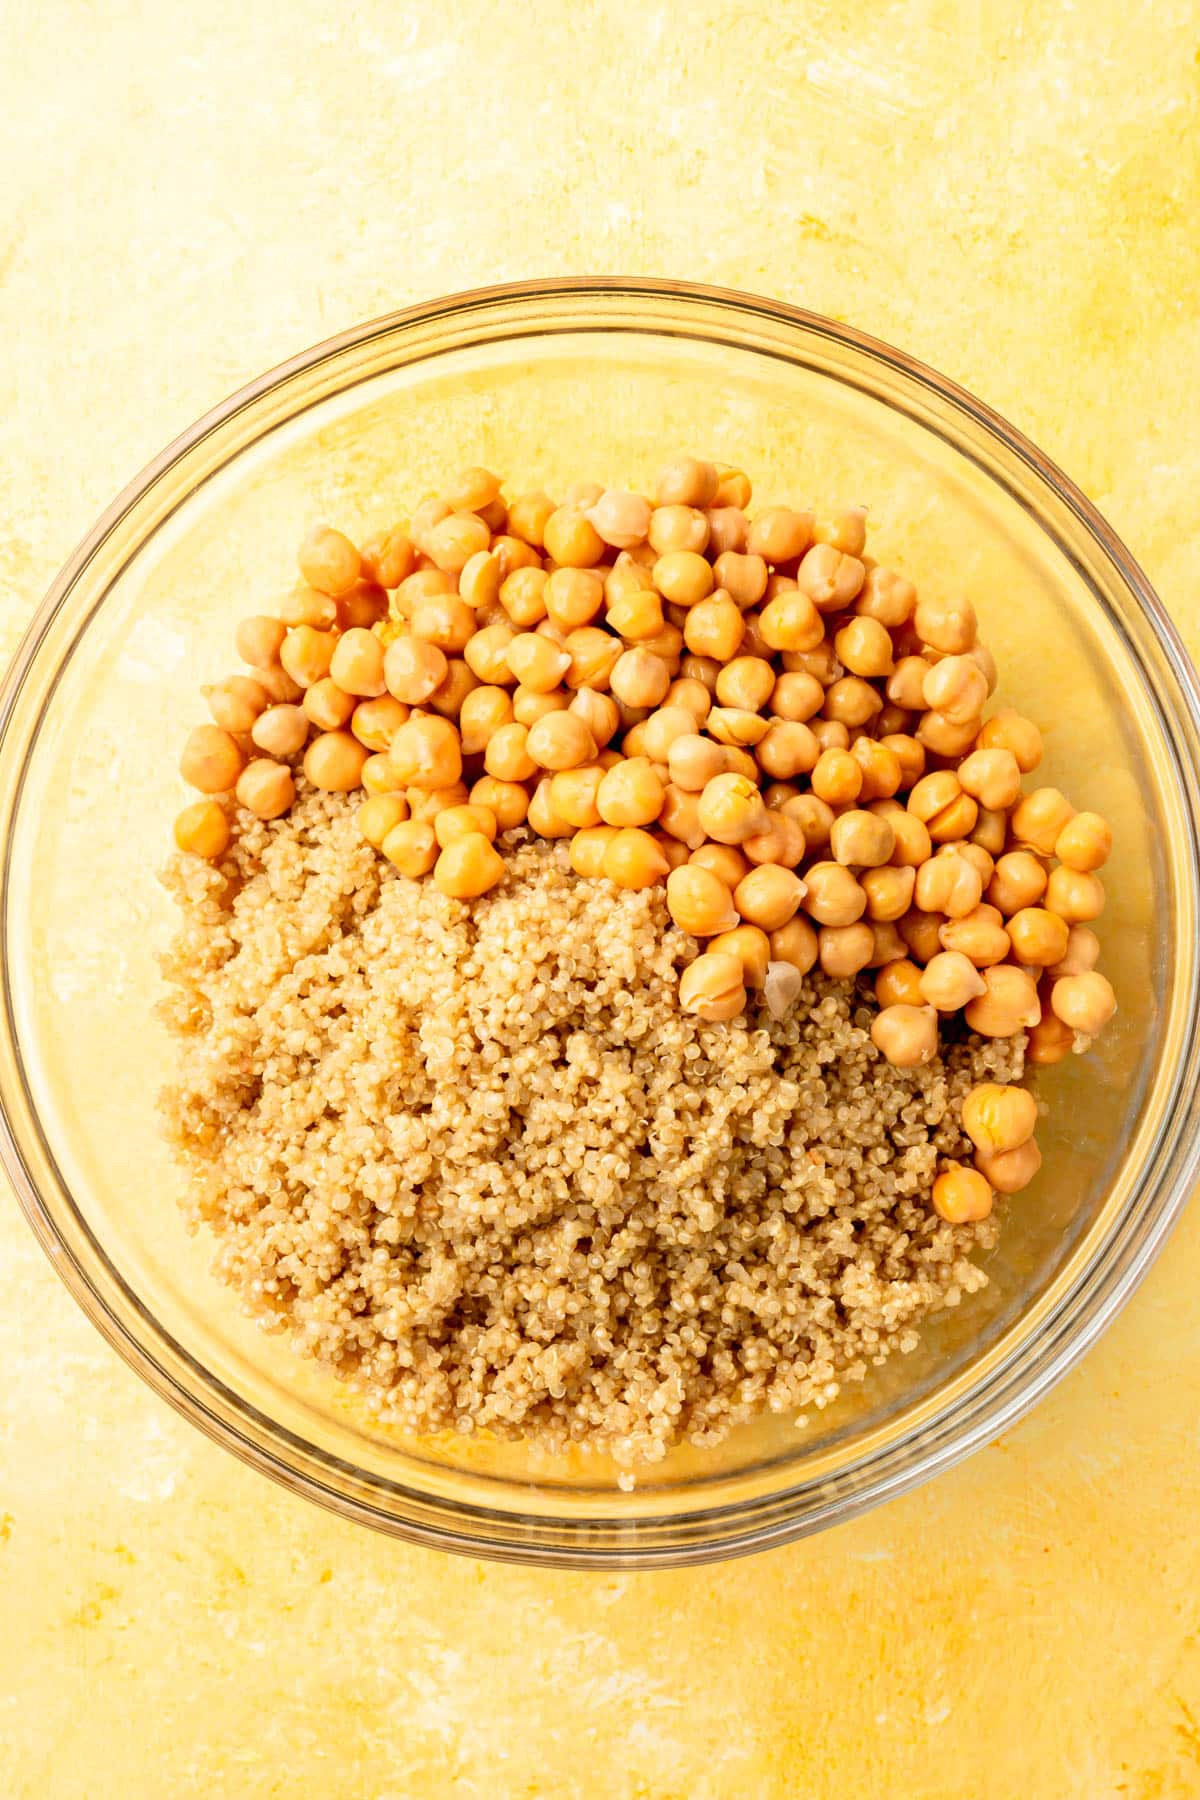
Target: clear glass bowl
(548,382)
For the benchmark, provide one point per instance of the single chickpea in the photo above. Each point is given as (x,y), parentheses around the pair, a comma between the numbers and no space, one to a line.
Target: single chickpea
(259,640)
(306,654)
(1009,1005)
(735,726)
(357,663)
(701,669)
(791,622)
(683,577)
(752,948)
(202,829)
(813,815)
(913,844)
(479,583)
(536,662)
(693,696)
(1009,730)
(678,528)
(727,528)
(486,655)
(862,840)
(961,1196)
(634,859)
(833,895)
(484,711)
(570,538)
(542,816)
(1010,1170)
(851,701)
(680,817)
(787,748)
(379,774)
(865,648)
(448,696)
(630,794)
(742,577)
(266,788)
(687,482)
(413,670)
(508,800)
(527,518)
(454,540)
(523,598)
(1019,880)
(212,760)
(664,728)
(836,778)
(779,534)
(236,702)
(373,722)
(795,943)
(1049,1041)
(745,682)
(639,678)
(573,795)
(713,987)
(472,489)
(906,683)
(998,1117)
(979,934)
(506,754)
(280,731)
(733,487)
(667,645)
(588,847)
(379,815)
(305,606)
(950,980)
(514,553)
(411,846)
(326,705)
(1084,842)
(950,885)
(991,831)
(975,854)
(889,892)
(919,931)
(468,866)
(740,761)
(990,776)
(636,616)
(830,579)
(797,698)
(845,528)
(898,983)
(906,1036)
(731,809)
(769,896)
(940,737)
(699,901)
(627,576)
(427,752)
(594,654)
(561,740)
(1074,895)
(328,561)
(1084,1002)
(881,769)
(956,687)
(334,761)
(887,597)
(845,949)
(943,808)
(620,518)
(946,625)
(455,822)
(1081,955)
(985,662)
(782,842)
(894,720)
(1038,936)
(280,688)
(365,605)
(571,597)
(427,803)
(599,713)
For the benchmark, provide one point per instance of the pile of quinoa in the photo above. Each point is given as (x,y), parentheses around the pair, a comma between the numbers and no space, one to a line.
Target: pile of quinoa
(479,1164)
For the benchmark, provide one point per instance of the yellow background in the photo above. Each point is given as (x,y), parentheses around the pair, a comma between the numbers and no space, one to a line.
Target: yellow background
(1010,191)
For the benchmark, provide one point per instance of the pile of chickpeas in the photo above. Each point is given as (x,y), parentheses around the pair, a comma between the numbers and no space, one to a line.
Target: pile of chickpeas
(747,709)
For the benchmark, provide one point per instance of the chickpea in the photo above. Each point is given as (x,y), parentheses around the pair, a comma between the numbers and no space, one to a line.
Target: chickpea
(211,760)
(379,815)
(940,737)
(326,706)
(573,795)
(588,847)
(1008,1006)
(570,538)
(365,605)
(598,712)
(830,579)
(749,945)
(1074,895)
(845,528)
(724,860)
(687,482)
(1039,818)
(259,640)
(561,740)
(480,582)
(733,487)
(957,688)
(527,518)
(630,794)
(861,839)
(379,774)
(667,645)
(943,808)
(634,859)
(701,669)
(950,885)
(837,778)
(571,597)
(637,616)
(851,702)
(621,519)
(791,622)
(889,892)
(413,670)
(683,577)
(1009,730)
(281,690)
(990,776)
(266,788)
(373,722)
(469,819)
(746,682)
(787,748)
(306,654)
(991,831)
(743,578)
(699,901)
(919,931)
(713,986)
(796,944)
(1081,955)
(882,774)
(886,597)
(1038,936)
(542,816)
(845,949)
(680,817)
(731,809)
(523,597)
(961,1196)
(508,800)
(427,753)
(727,528)
(236,702)
(734,726)
(779,534)
(594,654)
(1049,1040)
(411,846)
(536,662)
(639,678)
(1010,1170)
(1019,880)
(834,897)
(769,896)
(280,730)
(813,815)
(1084,1002)
(946,625)
(898,983)
(975,854)
(1084,842)
(979,934)
(328,561)
(913,845)
(202,829)
(334,761)
(468,866)
(514,553)
(907,1036)
(950,980)
(675,528)
(906,683)
(486,655)
(865,648)
(797,698)
(693,696)
(664,728)
(997,1117)
(782,842)
(484,710)
(506,754)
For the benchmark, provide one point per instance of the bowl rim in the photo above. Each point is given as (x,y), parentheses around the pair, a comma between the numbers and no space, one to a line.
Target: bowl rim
(750,1525)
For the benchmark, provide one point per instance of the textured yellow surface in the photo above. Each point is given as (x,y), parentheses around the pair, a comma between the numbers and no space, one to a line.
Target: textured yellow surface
(191,193)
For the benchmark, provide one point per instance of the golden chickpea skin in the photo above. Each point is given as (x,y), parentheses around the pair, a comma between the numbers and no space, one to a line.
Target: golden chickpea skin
(862,839)
(797,698)
(486,655)
(212,760)
(787,748)
(886,597)
(630,794)
(236,702)
(507,800)
(621,519)
(334,761)
(280,731)
(514,553)
(281,689)
(735,726)
(683,577)
(1018,880)
(266,788)
(1084,1002)
(956,687)
(687,481)
(328,561)
(365,605)
(845,949)
(946,625)
(1009,1171)
(906,683)
(326,705)
(881,769)
(745,682)
(675,528)
(975,855)
(845,527)
(865,648)
(713,987)
(920,933)
(573,795)
(259,639)
(950,980)
(791,622)
(373,722)
(634,859)
(379,774)
(739,761)
(411,847)
(639,678)
(454,540)
(962,1196)
(693,696)
(733,487)
(913,844)
(1075,896)
(950,885)
(937,735)
(1039,818)
(1082,952)
(472,489)
(833,895)
(979,934)
(536,662)
(813,815)
(991,831)
(571,597)
(680,817)
(742,577)
(782,842)
(594,654)
(484,710)
(506,754)
(413,670)
(990,776)
(542,816)
(357,664)
(529,707)
(693,761)
(427,753)
(889,892)
(1010,730)
(527,518)
(637,616)
(468,867)
(830,579)
(588,847)
(731,809)
(893,720)
(898,983)
(943,808)
(724,860)
(664,728)
(1050,1041)
(306,654)
(699,901)
(523,598)
(571,539)
(379,815)
(1084,842)
(779,534)
(1009,1004)
(480,582)
(906,1036)
(795,943)
(851,701)
(202,829)
(836,778)
(702,669)
(715,627)
(999,1117)
(427,803)
(750,946)
(769,896)
(1038,937)
(561,740)
(727,528)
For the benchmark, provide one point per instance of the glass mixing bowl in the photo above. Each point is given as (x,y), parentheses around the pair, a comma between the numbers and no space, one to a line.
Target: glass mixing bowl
(547,383)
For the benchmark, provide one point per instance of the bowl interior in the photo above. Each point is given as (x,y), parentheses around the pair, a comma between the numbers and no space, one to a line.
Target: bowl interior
(152,618)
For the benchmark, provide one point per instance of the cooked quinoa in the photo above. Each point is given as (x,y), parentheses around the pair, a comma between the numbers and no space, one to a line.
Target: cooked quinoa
(478,1162)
